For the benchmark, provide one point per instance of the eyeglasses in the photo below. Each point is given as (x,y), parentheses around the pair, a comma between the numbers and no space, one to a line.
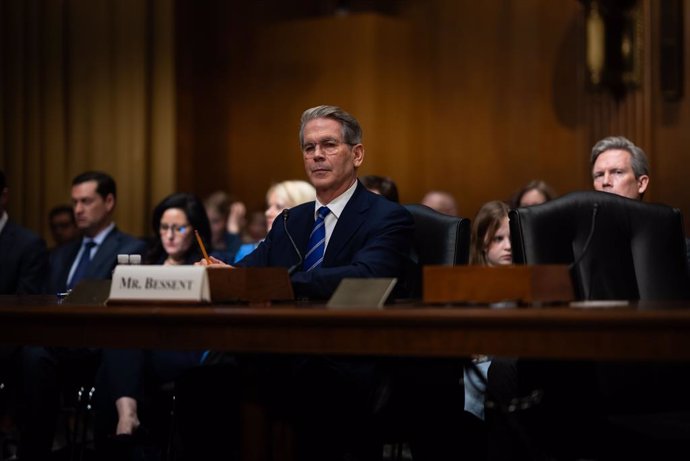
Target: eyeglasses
(177,230)
(328,147)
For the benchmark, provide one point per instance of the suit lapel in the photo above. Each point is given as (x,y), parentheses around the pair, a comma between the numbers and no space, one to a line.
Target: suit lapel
(62,263)
(103,261)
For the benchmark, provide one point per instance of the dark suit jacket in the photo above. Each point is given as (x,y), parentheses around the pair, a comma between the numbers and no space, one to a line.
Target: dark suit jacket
(23,261)
(102,264)
(373,238)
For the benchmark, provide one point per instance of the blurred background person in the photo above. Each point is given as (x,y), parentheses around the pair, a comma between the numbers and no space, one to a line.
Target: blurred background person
(227,220)
(280,196)
(46,371)
(23,270)
(255,230)
(381,185)
(534,192)
(441,201)
(125,376)
(23,255)
(63,226)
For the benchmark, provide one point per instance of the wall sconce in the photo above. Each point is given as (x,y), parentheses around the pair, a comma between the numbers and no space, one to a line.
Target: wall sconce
(613,45)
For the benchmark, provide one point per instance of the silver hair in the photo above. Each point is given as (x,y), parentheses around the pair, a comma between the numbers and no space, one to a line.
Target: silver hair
(638,159)
(350,129)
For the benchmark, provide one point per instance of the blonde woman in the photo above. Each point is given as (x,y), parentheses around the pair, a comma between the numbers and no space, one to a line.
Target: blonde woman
(280,196)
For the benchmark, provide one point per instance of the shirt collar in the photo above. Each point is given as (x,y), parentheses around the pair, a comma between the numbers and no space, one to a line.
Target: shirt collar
(337,205)
(98,239)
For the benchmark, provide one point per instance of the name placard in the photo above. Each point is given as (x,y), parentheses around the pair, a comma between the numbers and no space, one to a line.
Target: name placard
(160,283)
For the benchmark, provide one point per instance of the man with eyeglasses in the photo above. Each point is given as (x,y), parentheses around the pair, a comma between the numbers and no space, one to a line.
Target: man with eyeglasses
(94,256)
(350,232)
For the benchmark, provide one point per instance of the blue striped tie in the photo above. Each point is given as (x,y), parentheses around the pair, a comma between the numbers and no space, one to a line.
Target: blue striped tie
(83,264)
(317,241)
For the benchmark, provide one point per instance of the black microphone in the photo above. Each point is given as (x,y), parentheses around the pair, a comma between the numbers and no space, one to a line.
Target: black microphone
(293,268)
(585,247)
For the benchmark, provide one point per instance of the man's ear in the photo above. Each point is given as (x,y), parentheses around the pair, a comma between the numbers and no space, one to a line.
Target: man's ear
(110,202)
(358,155)
(642,183)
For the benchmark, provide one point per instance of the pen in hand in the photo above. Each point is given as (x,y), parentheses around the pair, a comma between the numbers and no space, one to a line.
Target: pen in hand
(203,248)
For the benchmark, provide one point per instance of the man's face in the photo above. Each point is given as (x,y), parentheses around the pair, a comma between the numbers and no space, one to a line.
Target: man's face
(612,172)
(91,211)
(331,165)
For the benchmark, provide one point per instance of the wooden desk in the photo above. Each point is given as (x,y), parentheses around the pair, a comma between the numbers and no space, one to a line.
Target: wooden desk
(645,331)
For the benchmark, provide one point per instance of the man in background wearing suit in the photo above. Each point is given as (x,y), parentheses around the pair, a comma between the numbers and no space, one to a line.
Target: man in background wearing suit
(23,270)
(23,254)
(94,256)
(335,401)
(622,168)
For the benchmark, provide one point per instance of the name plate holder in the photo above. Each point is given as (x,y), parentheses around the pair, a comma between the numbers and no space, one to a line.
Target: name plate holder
(527,284)
(151,284)
(198,284)
(258,286)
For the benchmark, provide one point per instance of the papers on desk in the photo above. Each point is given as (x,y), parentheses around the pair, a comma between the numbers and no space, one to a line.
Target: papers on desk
(600,304)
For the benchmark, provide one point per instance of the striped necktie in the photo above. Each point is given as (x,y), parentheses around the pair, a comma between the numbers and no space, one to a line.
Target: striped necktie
(317,241)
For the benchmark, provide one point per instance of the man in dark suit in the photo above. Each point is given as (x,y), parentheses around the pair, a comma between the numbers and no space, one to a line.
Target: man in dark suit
(334,401)
(23,255)
(23,270)
(94,256)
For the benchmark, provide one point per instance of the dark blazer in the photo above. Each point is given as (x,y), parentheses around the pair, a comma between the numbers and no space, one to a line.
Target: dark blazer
(373,238)
(102,264)
(23,261)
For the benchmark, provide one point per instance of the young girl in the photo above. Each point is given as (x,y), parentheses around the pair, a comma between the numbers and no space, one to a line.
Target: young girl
(490,246)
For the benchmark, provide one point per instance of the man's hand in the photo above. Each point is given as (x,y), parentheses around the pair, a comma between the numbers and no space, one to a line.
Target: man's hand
(215,262)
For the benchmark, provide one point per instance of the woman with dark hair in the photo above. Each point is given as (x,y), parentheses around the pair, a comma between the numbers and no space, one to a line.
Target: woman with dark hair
(126,375)
(174,221)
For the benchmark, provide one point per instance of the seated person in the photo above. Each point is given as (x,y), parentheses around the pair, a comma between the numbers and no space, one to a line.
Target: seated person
(23,256)
(124,373)
(441,201)
(490,246)
(280,196)
(63,227)
(347,231)
(94,256)
(533,193)
(227,223)
(381,185)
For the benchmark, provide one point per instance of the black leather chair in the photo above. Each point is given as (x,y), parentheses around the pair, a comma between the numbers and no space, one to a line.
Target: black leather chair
(418,386)
(618,248)
(439,239)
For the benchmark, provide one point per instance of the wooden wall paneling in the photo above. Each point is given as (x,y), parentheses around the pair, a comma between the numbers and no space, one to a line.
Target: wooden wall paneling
(671,142)
(361,67)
